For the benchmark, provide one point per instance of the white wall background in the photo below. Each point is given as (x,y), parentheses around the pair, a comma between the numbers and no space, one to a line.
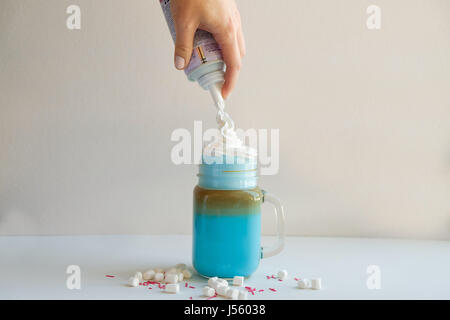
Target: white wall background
(364,117)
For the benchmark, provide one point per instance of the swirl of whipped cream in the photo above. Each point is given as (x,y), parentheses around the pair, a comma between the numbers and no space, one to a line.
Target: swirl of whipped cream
(229,143)
(226,127)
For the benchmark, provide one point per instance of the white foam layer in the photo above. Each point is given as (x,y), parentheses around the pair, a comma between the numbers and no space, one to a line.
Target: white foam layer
(229,144)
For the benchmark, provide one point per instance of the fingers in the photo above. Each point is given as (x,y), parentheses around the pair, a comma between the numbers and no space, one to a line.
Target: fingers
(223,21)
(228,41)
(184,43)
(240,35)
(241,42)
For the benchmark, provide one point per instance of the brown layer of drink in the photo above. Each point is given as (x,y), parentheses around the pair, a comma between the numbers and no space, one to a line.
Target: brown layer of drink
(227,202)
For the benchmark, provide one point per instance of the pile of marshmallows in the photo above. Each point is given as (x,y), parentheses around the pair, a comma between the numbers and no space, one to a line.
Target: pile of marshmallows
(171,277)
(217,286)
(315,283)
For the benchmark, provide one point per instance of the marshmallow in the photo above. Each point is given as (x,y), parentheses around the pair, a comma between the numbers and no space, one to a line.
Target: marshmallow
(138,275)
(221,290)
(222,282)
(232,294)
(171,278)
(208,292)
(149,275)
(238,281)
(133,282)
(187,274)
(159,270)
(214,284)
(211,281)
(316,283)
(172,271)
(282,274)
(180,277)
(172,288)
(159,276)
(243,295)
(304,284)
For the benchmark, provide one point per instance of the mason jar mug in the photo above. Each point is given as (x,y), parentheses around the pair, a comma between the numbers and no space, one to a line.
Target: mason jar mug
(227,221)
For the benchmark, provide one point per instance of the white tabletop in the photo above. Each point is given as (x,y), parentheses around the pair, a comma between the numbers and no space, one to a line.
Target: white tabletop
(35,267)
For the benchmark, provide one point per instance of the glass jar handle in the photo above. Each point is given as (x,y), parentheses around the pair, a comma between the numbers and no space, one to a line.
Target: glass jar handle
(279,213)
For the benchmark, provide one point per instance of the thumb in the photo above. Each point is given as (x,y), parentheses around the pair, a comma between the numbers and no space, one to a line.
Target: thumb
(183,45)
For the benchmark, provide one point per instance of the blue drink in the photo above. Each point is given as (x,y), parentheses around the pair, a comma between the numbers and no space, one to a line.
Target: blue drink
(227,232)
(227,220)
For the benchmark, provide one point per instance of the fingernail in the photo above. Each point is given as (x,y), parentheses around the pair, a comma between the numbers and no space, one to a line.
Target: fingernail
(179,62)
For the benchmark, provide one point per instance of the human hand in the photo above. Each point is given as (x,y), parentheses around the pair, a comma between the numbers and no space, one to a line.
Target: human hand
(219,17)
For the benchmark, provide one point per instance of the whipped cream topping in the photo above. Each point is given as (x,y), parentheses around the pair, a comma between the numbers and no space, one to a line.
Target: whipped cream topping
(228,143)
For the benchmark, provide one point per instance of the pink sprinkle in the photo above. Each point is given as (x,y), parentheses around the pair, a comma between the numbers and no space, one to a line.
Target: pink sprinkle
(140,283)
(273,277)
(261,290)
(186,285)
(150,288)
(272,289)
(280,280)
(212,297)
(296,279)
(251,290)
(191,287)
(267,277)
(108,276)
(190,298)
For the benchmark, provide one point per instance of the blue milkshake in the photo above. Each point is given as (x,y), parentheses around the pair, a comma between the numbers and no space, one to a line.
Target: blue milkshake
(227,220)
